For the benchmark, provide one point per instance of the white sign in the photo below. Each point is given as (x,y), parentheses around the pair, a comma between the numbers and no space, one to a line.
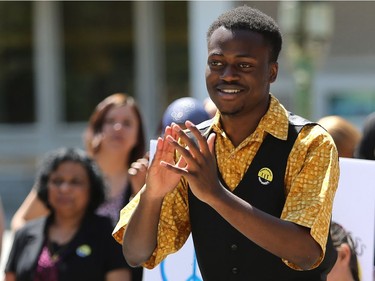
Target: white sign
(354,208)
(152,150)
(180,266)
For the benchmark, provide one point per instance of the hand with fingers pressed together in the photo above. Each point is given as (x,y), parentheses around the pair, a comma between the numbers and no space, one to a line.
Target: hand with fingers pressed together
(198,159)
(161,177)
(254,185)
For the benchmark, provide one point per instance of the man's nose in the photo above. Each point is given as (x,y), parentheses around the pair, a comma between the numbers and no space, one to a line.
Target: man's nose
(230,73)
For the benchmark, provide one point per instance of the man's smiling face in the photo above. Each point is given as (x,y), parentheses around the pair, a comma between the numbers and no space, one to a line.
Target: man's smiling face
(239,71)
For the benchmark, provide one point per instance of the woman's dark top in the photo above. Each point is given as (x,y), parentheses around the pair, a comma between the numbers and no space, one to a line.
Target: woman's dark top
(111,208)
(89,256)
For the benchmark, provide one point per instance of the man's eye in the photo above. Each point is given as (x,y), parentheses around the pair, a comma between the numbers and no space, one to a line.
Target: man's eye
(245,65)
(215,63)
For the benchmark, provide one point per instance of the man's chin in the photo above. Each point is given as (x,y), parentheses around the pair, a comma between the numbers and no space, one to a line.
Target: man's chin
(230,112)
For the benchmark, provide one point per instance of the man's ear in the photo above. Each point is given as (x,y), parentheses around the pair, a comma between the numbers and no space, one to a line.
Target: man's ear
(274,69)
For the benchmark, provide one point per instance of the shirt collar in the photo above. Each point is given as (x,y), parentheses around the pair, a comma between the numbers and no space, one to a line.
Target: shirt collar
(275,121)
(276,113)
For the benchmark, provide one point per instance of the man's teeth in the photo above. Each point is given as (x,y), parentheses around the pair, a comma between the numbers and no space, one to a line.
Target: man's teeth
(228,91)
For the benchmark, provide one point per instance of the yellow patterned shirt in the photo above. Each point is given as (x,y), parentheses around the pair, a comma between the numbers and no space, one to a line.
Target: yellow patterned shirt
(311,181)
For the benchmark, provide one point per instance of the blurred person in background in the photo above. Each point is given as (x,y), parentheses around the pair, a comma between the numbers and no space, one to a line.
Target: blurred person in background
(210,107)
(345,135)
(178,112)
(72,243)
(346,267)
(366,147)
(115,139)
(182,109)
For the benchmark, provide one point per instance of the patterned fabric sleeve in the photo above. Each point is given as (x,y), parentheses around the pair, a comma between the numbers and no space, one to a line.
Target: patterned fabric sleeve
(311,182)
(174,224)
(125,215)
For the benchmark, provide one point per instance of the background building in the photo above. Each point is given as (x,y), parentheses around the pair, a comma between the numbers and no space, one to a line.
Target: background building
(58,59)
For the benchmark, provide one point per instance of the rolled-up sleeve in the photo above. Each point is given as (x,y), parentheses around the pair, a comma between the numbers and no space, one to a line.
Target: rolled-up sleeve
(173,228)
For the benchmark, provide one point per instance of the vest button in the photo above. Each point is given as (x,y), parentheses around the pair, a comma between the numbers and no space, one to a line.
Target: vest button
(233,247)
(234,270)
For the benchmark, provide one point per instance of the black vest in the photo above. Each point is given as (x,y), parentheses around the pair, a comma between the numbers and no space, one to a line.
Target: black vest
(223,253)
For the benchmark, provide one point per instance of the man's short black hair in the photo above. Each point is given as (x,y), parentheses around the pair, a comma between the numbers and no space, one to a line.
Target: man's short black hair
(251,19)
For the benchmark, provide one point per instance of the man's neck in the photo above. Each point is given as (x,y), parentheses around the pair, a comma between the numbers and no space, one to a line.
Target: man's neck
(238,128)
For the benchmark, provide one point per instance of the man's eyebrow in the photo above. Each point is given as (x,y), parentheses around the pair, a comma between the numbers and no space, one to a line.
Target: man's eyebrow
(215,54)
(246,56)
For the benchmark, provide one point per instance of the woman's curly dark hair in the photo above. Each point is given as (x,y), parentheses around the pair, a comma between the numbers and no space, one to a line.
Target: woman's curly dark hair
(55,158)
